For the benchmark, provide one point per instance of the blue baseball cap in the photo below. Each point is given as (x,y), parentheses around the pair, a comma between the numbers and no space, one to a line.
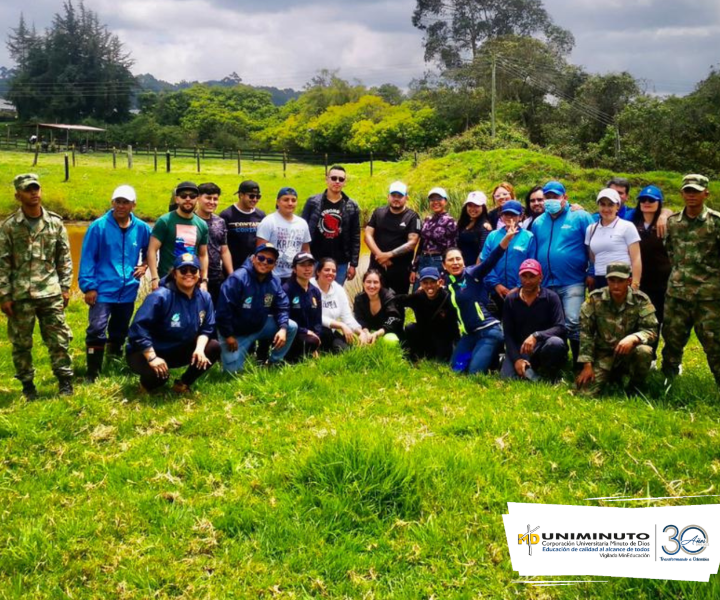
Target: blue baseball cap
(513,207)
(653,192)
(554,187)
(267,247)
(429,273)
(186,259)
(286,191)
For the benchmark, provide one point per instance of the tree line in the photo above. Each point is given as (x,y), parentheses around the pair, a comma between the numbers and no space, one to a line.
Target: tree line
(501,79)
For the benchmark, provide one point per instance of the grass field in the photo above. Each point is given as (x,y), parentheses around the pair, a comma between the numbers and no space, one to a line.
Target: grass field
(93,179)
(353,476)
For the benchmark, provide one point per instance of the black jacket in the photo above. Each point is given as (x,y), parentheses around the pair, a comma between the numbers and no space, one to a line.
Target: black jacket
(434,317)
(388,318)
(350,224)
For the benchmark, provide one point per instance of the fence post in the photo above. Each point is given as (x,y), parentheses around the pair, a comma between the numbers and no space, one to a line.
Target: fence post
(167,161)
(114,158)
(203,152)
(67,168)
(284,164)
(326,164)
(130,156)
(239,161)
(37,151)
(73,154)
(371,164)
(198,162)
(415,165)
(155,159)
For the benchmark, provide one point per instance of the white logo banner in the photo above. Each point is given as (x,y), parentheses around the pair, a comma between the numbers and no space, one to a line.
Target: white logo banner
(671,542)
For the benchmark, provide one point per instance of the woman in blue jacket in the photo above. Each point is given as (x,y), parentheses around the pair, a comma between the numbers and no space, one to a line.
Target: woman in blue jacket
(481,334)
(172,329)
(504,277)
(305,307)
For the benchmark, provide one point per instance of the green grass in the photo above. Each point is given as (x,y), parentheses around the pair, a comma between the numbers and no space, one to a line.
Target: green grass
(92,180)
(346,477)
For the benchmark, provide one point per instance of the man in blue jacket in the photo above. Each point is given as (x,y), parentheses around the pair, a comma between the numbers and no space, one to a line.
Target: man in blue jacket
(253,306)
(561,250)
(112,262)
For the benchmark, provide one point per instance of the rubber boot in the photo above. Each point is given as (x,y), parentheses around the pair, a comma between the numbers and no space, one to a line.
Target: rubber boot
(113,350)
(65,386)
(94,363)
(29,390)
(575,351)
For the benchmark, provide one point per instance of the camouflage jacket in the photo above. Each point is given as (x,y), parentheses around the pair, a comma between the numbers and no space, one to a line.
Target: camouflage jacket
(603,324)
(693,246)
(34,263)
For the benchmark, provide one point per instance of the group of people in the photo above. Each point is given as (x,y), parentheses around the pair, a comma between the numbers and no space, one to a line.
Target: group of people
(504,288)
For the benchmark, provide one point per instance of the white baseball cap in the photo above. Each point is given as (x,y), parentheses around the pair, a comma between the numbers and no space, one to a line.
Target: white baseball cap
(439,191)
(476,198)
(125,191)
(398,187)
(609,194)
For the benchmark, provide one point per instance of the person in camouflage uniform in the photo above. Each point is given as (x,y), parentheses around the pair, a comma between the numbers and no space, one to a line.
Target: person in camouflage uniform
(617,327)
(35,278)
(693,293)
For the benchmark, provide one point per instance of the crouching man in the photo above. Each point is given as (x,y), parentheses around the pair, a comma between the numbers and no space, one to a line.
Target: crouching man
(253,306)
(617,327)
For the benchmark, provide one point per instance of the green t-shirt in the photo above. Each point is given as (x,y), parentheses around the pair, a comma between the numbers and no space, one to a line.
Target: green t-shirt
(177,236)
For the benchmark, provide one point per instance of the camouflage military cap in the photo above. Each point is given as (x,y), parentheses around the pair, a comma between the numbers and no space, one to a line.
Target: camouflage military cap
(696,182)
(24,181)
(618,269)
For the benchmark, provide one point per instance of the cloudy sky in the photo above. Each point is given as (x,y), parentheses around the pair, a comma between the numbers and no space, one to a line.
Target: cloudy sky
(670,44)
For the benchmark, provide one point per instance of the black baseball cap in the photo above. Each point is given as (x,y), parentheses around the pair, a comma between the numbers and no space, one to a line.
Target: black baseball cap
(186,185)
(302,257)
(249,187)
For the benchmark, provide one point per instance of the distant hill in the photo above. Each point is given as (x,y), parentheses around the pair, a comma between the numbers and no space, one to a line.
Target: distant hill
(150,83)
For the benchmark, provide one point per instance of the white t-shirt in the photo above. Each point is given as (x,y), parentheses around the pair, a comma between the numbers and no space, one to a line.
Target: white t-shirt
(610,244)
(336,306)
(287,236)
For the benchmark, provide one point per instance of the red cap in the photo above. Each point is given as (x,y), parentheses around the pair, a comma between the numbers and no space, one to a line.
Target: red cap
(530,266)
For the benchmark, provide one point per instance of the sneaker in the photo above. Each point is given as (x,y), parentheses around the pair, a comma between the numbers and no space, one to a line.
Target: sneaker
(65,386)
(180,388)
(29,390)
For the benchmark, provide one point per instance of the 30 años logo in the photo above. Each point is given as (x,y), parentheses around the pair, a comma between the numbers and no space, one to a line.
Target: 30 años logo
(693,539)
(530,538)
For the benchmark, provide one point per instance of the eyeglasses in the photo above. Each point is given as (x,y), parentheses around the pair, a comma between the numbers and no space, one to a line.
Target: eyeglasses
(186,195)
(647,200)
(190,270)
(336,179)
(254,196)
(265,259)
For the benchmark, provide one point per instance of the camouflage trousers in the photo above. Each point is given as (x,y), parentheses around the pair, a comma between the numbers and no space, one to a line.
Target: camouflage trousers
(53,328)
(681,314)
(612,368)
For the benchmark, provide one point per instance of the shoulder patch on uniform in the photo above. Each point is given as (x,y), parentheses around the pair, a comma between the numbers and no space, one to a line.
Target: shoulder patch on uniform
(596,293)
(53,214)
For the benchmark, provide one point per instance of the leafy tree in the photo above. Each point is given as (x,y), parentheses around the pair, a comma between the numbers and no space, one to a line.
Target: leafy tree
(457,29)
(76,70)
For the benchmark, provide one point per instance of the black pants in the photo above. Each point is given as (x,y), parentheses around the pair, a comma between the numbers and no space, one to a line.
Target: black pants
(397,277)
(332,341)
(176,357)
(422,344)
(303,345)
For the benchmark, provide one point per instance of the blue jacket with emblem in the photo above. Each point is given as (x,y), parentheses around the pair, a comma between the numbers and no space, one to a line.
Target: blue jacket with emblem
(168,319)
(245,303)
(521,247)
(561,246)
(305,306)
(109,258)
(469,296)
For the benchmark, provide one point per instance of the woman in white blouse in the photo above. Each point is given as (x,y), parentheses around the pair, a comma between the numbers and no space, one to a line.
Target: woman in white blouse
(612,239)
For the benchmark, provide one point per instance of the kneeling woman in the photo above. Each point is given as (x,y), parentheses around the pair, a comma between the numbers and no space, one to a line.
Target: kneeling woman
(376,311)
(339,327)
(172,329)
(481,334)
(305,307)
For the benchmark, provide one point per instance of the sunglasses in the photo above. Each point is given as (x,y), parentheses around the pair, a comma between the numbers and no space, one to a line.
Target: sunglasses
(190,270)
(186,195)
(254,196)
(647,200)
(265,259)
(337,179)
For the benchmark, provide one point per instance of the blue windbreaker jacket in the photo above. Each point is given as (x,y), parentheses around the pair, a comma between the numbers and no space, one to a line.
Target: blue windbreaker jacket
(521,247)
(110,256)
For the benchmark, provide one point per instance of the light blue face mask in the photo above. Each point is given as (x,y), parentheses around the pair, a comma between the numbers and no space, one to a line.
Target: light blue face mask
(553,206)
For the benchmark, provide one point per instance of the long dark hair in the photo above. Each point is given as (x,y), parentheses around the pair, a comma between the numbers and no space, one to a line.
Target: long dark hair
(528,211)
(322,262)
(465,218)
(374,272)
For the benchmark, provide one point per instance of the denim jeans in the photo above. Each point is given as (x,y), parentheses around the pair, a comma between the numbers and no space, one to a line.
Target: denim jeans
(108,322)
(476,351)
(341,274)
(234,361)
(572,297)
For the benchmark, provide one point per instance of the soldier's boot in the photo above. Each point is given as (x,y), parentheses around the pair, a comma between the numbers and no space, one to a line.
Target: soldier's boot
(575,351)
(94,363)
(65,386)
(29,390)
(113,350)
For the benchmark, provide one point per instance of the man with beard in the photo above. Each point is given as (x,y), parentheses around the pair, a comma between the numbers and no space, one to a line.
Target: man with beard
(179,232)
(242,220)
